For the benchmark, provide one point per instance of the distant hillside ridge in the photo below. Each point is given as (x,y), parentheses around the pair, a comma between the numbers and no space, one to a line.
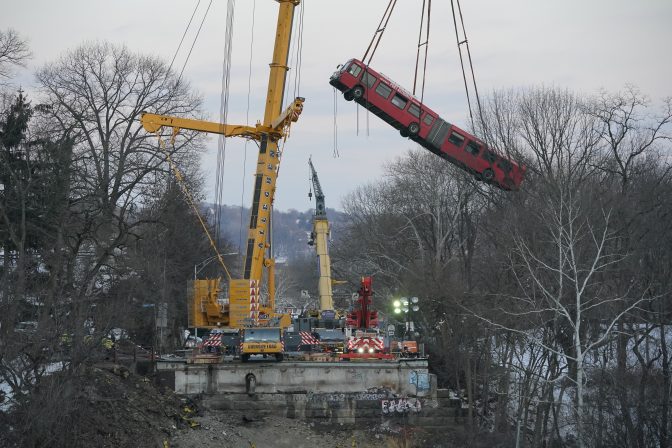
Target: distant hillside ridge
(291,229)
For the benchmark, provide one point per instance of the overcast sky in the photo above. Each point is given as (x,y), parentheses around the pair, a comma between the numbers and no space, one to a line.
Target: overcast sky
(582,45)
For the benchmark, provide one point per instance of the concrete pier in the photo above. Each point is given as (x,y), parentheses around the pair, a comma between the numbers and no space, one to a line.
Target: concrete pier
(401,378)
(345,393)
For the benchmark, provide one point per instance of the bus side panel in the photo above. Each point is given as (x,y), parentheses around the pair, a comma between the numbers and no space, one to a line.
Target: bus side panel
(437,135)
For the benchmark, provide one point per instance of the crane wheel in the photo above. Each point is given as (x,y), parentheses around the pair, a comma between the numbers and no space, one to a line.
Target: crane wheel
(245,357)
(279,357)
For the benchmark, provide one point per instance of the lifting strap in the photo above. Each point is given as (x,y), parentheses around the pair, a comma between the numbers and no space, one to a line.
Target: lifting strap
(378,35)
(426,6)
(223,119)
(462,41)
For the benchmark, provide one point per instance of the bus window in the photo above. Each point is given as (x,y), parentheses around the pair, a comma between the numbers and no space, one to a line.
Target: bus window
(428,119)
(354,70)
(456,139)
(369,79)
(489,156)
(383,90)
(414,110)
(505,165)
(399,101)
(473,148)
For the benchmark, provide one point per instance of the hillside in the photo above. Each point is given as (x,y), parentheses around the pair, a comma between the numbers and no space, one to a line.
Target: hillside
(291,229)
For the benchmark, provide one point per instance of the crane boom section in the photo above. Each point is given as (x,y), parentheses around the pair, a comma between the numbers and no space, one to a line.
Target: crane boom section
(324,287)
(320,237)
(244,293)
(278,74)
(320,208)
(154,122)
(258,237)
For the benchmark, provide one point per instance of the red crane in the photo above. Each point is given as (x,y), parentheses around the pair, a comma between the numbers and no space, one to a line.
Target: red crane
(364,340)
(363,317)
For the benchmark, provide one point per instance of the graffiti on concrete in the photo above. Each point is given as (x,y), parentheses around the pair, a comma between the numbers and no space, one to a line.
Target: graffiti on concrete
(420,379)
(401,406)
(366,396)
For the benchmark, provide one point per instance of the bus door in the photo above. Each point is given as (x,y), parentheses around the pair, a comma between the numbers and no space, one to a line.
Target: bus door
(437,135)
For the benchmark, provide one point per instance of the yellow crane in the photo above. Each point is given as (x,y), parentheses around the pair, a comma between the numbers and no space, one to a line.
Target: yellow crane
(320,239)
(244,305)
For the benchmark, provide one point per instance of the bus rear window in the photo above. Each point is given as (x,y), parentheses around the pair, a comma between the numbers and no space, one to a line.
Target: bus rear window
(354,70)
(414,110)
(383,90)
(399,101)
(456,139)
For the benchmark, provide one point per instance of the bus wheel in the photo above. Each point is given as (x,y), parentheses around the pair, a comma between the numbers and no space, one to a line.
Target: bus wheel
(357,92)
(403,132)
(245,357)
(487,174)
(413,128)
(278,357)
(348,96)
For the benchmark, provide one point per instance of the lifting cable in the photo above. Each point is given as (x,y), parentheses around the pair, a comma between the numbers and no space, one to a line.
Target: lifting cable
(378,34)
(371,50)
(247,122)
(428,4)
(335,153)
(172,62)
(194,42)
(188,197)
(299,51)
(223,119)
(184,35)
(295,58)
(463,41)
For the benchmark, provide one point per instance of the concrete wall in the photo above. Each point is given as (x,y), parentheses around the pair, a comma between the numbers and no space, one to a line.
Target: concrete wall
(407,378)
(362,394)
(368,409)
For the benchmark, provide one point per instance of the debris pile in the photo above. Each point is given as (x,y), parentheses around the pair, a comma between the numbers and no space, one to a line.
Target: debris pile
(104,405)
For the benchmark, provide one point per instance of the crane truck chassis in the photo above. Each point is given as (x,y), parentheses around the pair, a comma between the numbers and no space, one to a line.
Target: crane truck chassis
(266,341)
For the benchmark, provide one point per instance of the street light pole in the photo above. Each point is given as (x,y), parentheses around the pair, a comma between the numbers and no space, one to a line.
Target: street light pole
(401,306)
(407,306)
(414,307)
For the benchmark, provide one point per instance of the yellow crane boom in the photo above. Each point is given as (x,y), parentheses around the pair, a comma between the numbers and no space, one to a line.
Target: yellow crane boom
(320,238)
(244,293)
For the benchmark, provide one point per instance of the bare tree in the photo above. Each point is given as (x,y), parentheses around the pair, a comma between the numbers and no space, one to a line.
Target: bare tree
(546,128)
(97,93)
(14,52)
(627,130)
(561,276)
(417,225)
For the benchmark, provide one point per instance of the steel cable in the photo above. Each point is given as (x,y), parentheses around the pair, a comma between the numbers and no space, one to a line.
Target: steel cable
(223,117)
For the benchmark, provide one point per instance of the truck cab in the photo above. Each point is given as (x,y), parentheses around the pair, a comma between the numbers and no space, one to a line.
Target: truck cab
(261,341)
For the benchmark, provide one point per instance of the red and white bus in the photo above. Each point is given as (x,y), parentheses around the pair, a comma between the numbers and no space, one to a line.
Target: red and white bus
(413,119)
